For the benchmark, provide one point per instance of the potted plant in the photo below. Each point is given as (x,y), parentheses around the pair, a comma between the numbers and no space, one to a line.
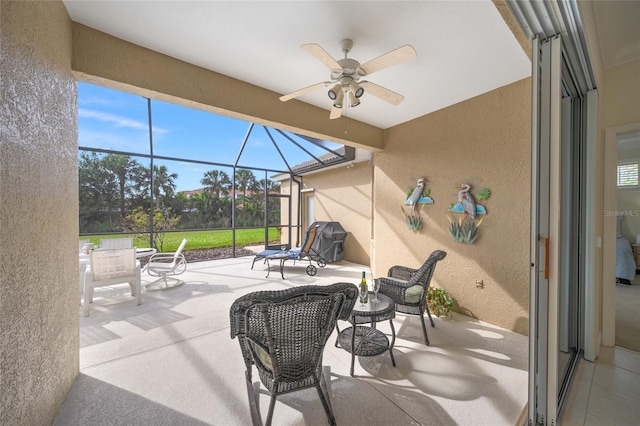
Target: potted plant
(439,302)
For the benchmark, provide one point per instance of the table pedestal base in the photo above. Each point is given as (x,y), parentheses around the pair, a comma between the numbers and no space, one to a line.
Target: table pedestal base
(366,341)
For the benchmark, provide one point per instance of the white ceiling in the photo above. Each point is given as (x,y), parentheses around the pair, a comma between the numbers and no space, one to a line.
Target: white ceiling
(464,48)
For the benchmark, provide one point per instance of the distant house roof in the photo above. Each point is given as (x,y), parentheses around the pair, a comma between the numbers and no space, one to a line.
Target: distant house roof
(343,154)
(192,192)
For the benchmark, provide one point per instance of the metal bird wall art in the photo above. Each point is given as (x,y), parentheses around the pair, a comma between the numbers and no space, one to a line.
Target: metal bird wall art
(465,198)
(416,196)
(465,229)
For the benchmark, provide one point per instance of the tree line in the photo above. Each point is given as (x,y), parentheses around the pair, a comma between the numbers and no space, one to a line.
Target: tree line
(115,192)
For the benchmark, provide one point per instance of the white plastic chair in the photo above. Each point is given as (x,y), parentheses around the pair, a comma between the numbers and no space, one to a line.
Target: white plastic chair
(107,267)
(82,243)
(116,243)
(166,266)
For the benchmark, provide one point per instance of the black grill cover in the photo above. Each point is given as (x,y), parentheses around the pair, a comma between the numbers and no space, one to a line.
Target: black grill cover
(329,242)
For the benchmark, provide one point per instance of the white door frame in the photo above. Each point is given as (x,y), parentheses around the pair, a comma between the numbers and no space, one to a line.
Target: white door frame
(545,234)
(609,230)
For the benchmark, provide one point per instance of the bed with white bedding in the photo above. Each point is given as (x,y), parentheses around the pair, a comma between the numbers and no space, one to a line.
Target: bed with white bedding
(625,262)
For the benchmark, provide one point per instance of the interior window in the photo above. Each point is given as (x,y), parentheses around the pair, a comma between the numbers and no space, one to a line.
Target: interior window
(628,174)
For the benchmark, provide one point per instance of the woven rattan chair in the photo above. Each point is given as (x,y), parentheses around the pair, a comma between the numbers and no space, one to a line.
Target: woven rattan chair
(283,333)
(408,288)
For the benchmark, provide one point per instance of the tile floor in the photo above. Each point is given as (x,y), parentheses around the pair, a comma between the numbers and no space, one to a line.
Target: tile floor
(605,392)
(171,361)
(118,339)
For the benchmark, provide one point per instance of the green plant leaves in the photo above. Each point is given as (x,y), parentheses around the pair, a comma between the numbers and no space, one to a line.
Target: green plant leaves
(440,303)
(414,223)
(464,231)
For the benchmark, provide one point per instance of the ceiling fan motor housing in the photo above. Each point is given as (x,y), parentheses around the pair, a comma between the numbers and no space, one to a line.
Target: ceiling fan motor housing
(349,68)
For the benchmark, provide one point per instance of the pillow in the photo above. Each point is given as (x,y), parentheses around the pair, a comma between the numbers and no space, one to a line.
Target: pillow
(413,294)
(619,226)
(294,253)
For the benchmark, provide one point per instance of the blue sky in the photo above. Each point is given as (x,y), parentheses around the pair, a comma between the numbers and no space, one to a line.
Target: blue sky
(110,119)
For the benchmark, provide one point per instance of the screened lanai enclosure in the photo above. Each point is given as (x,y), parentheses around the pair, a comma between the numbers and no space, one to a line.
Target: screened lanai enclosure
(161,172)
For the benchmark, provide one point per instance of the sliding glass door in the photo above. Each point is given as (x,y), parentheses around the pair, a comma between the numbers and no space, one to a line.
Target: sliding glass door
(562,232)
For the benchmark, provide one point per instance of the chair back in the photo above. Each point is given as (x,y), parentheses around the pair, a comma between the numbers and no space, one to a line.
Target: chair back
(178,252)
(425,272)
(82,243)
(283,332)
(116,243)
(112,263)
(177,256)
(309,238)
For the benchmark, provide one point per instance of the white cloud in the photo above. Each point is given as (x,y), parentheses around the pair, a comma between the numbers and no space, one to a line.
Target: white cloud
(117,120)
(110,140)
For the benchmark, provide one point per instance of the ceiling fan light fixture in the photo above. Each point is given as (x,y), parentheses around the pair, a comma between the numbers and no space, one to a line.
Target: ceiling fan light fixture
(334,91)
(347,72)
(356,89)
(338,102)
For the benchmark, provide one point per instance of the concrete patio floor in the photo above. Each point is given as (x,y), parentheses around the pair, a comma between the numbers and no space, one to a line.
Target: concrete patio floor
(171,361)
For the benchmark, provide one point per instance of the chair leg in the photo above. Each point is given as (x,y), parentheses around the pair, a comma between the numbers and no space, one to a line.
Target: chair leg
(325,404)
(430,318)
(424,330)
(88,296)
(253,405)
(138,288)
(270,413)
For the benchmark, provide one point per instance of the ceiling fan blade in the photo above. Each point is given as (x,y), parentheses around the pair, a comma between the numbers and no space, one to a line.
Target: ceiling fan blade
(335,113)
(302,91)
(397,56)
(322,55)
(382,92)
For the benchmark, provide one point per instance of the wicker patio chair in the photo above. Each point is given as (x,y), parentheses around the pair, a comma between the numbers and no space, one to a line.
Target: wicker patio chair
(283,333)
(408,288)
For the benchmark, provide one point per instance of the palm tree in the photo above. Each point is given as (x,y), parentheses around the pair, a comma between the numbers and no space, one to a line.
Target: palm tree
(120,169)
(163,181)
(244,180)
(216,183)
(268,185)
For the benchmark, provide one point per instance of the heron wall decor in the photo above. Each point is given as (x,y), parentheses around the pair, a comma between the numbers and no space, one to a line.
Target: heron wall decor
(416,196)
(465,229)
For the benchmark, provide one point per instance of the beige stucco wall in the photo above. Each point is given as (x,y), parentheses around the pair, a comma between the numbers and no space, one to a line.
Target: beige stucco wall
(343,195)
(484,141)
(39,341)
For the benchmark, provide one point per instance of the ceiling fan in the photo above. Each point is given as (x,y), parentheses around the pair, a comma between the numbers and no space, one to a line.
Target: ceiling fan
(346,87)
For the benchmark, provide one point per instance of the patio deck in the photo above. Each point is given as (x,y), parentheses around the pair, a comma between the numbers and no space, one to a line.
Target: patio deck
(171,361)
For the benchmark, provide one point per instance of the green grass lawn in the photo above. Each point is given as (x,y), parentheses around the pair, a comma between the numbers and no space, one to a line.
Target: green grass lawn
(199,239)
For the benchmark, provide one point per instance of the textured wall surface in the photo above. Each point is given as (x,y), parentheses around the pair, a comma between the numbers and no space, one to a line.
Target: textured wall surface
(38,213)
(343,195)
(484,141)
